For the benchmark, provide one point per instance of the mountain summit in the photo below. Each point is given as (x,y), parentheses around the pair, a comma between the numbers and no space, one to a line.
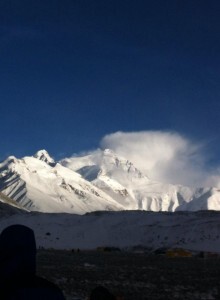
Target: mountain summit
(44,156)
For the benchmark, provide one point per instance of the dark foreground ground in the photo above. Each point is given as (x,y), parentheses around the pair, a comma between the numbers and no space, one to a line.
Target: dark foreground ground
(136,276)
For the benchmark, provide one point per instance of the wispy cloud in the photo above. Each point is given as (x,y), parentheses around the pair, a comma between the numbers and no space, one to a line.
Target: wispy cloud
(165,156)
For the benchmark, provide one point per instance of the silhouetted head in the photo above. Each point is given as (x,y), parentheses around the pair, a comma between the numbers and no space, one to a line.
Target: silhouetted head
(17,252)
(101,293)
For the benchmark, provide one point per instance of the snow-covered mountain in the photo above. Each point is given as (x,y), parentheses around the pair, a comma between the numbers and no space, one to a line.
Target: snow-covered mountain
(128,186)
(98,181)
(38,184)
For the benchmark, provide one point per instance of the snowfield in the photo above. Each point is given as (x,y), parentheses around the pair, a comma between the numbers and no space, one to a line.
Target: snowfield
(125,229)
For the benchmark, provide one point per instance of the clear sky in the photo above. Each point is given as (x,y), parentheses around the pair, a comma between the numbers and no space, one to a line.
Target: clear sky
(73,71)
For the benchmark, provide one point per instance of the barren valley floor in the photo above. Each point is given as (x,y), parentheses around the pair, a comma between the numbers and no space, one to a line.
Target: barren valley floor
(137,276)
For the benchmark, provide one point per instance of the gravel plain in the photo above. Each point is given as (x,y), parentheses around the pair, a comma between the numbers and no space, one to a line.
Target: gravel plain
(136,276)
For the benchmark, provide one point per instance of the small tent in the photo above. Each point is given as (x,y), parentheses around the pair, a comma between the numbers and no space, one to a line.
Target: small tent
(178,252)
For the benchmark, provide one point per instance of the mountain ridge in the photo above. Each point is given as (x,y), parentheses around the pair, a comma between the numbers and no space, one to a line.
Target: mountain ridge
(101,180)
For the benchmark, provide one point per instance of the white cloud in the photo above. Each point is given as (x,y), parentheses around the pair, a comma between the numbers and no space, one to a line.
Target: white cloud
(213,179)
(164,156)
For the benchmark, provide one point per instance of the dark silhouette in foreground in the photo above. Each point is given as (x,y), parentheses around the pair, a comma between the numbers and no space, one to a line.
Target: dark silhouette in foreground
(18,278)
(101,293)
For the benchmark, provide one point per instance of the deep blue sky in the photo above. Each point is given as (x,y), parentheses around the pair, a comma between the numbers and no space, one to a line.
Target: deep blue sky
(75,70)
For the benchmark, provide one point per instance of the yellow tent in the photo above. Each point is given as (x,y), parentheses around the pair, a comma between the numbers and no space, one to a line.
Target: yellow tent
(178,252)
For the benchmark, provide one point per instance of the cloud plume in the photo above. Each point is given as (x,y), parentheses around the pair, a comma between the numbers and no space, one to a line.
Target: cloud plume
(164,156)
